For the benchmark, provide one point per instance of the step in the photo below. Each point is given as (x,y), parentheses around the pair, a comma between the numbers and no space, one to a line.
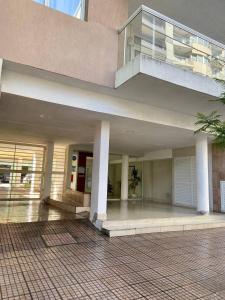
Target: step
(68,207)
(141,226)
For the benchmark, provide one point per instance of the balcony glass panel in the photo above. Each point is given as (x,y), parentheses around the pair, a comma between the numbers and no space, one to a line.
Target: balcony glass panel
(152,36)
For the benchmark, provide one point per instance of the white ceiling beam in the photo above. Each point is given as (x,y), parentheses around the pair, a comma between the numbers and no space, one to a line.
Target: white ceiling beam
(45,90)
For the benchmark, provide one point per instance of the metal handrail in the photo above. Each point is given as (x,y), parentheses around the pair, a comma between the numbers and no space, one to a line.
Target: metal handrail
(146,9)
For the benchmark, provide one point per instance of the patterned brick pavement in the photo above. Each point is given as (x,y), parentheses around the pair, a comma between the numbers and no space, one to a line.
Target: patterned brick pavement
(71,260)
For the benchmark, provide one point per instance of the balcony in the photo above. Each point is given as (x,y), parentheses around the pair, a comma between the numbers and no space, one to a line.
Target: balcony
(157,46)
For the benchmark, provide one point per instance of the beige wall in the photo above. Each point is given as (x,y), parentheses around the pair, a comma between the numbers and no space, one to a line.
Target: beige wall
(110,13)
(158,180)
(34,35)
(147,179)
(115,179)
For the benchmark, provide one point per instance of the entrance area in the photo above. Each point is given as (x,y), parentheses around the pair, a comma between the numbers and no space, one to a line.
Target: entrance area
(21,171)
(98,163)
(165,184)
(149,180)
(22,183)
(135,178)
(144,209)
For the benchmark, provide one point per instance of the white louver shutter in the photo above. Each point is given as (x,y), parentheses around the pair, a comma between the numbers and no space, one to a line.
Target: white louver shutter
(185,181)
(222,193)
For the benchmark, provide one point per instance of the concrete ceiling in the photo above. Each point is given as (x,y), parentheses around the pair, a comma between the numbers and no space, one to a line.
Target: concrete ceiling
(32,121)
(205,16)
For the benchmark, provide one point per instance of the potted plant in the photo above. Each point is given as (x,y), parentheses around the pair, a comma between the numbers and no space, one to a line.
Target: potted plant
(134,181)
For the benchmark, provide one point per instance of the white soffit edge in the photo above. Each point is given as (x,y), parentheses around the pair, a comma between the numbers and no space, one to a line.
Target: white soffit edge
(46,90)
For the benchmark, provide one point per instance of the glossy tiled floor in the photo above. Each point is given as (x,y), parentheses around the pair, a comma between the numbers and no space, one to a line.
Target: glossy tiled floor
(70,260)
(139,209)
(31,211)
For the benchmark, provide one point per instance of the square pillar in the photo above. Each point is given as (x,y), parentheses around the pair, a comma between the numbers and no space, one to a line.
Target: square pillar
(202,174)
(100,174)
(46,187)
(124,177)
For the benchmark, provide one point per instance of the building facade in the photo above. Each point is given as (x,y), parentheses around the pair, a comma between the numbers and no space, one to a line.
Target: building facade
(99,97)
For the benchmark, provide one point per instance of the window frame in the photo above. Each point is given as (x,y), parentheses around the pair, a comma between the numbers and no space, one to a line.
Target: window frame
(84,9)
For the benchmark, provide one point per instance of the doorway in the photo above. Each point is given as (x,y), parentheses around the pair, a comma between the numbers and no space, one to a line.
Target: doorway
(21,171)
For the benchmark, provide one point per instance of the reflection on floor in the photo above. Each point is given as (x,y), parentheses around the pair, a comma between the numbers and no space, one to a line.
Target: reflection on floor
(139,209)
(32,211)
(21,191)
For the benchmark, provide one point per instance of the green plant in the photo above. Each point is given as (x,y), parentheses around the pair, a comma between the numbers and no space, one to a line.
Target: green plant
(110,186)
(134,180)
(211,123)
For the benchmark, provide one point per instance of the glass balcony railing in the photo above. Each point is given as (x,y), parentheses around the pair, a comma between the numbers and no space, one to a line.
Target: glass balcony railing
(158,37)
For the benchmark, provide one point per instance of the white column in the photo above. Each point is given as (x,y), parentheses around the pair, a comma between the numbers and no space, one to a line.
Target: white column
(48,171)
(124,177)
(100,173)
(202,174)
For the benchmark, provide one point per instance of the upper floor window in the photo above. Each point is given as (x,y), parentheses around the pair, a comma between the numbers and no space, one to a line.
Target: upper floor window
(75,8)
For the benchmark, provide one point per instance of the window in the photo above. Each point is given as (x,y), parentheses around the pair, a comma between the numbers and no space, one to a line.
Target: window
(198,40)
(75,8)
(200,58)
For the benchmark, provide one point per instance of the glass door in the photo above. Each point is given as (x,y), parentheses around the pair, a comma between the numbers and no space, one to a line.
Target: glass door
(21,171)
